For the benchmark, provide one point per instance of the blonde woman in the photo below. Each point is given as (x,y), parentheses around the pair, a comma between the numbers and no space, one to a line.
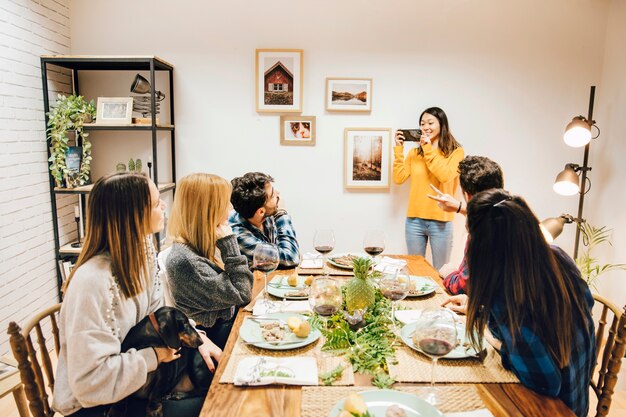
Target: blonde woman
(112,287)
(208,275)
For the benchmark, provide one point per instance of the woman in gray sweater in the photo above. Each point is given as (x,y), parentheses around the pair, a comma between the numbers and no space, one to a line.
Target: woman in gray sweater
(208,276)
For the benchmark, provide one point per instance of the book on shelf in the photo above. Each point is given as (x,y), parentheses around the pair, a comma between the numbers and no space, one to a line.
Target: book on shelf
(66,268)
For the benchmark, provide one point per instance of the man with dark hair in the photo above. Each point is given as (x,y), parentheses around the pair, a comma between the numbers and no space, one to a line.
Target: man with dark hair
(477,173)
(258,219)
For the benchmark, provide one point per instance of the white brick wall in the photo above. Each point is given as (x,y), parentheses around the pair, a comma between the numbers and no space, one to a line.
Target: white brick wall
(28,29)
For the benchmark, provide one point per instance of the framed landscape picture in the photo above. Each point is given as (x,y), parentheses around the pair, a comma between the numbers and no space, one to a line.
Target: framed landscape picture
(349,94)
(297,130)
(367,157)
(114,110)
(278,80)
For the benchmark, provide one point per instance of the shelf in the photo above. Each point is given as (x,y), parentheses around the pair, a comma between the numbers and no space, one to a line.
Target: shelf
(96,126)
(86,189)
(107,62)
(69,250)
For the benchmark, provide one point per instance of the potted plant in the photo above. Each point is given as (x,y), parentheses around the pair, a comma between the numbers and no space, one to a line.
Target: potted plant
(69,115)
(589,267)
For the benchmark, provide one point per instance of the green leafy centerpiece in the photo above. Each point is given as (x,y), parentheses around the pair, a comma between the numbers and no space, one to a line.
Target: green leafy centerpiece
(369,345)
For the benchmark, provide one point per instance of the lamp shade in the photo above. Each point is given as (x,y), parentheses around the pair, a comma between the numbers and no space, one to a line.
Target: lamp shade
(566,183)
(577,132)
(553,226)
(140,85)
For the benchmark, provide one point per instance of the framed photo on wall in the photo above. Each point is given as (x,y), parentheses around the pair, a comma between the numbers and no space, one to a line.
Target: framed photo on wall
(349,94)
(367,157)
(278,74)
(114,110)
(297,130)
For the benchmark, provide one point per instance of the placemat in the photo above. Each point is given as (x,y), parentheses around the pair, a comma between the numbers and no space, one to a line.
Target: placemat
(318,401)
(325,361)
(413,366)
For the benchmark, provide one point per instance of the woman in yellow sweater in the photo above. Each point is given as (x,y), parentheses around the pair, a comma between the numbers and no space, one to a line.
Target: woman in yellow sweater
(435,161)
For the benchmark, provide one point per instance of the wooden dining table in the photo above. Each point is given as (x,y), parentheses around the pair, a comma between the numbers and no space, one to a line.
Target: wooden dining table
(228,400)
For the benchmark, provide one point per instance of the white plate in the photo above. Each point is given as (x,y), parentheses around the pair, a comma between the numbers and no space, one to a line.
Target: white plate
(339,255)
(250,332)
(425,284)
(377,402)
(279,287)
(459,352)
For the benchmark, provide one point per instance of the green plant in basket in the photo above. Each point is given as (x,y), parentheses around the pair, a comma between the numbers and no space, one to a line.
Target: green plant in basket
(360,292)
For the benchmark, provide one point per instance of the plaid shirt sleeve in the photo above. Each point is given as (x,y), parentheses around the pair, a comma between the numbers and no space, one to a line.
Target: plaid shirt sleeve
(456,282)
(288,248)
(246,238)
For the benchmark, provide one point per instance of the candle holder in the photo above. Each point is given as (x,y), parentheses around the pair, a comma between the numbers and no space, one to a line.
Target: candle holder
(77,244)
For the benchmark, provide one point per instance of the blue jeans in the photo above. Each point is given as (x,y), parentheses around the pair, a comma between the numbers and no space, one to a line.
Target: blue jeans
(418,231)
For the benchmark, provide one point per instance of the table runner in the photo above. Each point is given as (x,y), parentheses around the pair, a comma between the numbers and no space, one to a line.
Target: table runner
(318,401)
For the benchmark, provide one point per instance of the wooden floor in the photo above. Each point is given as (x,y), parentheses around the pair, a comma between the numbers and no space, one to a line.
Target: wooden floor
(618,407)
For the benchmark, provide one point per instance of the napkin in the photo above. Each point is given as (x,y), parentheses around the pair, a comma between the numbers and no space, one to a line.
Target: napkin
(408,316)
(389,263)
(482,412)
(264,370)
(260,307)
(311,261)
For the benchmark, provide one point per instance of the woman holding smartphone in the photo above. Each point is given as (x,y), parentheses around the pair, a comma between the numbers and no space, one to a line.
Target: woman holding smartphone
(435,161)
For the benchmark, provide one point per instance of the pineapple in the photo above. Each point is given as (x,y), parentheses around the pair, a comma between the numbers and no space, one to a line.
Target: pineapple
(360,292)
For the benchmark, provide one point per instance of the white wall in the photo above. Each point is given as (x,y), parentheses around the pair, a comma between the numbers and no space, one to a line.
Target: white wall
(509,75)
(28,29)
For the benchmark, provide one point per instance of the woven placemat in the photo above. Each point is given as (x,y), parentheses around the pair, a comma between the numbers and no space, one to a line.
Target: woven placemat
(325,361)
(319,401)
(413,366)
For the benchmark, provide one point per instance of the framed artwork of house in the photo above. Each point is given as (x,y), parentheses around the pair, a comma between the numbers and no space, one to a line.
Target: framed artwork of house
(278,80)
(367,158)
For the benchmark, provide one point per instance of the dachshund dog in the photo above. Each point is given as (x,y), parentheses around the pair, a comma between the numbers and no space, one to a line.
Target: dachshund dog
(166,327)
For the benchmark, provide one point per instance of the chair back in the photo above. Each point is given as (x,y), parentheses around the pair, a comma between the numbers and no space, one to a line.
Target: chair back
(167,293)
(31,369)
(610,347)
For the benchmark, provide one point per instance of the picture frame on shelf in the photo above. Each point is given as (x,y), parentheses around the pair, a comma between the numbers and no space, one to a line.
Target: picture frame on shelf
(367,158)
(114,111)
(348,94)
(278,86)
(297,130)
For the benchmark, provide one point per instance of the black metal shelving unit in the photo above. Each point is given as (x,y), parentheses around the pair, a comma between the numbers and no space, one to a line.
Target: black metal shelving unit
(109,63)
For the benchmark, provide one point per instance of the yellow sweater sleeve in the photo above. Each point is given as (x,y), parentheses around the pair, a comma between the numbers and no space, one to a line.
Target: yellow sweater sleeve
(401,165)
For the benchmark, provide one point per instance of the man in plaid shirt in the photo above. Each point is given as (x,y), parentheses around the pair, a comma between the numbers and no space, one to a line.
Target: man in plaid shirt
(477,173)
(258,219)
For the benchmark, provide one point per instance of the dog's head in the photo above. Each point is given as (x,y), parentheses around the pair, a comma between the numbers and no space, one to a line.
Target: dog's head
(175,328)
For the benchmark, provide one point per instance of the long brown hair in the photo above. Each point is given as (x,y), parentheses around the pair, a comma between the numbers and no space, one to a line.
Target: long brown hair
(510,261)
(118,223)
(447,142)
(201,202)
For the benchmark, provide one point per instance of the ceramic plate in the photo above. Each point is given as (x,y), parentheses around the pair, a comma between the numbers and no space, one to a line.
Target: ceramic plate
(279,287)
(422,285)
(379,400)
(331,259)
(459,352)
(250,332)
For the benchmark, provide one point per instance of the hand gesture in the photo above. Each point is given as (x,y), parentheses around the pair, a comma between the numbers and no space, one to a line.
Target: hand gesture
(445,201)
(399,138)
(458,303)
(166,354)
(424,139)
(223,230)
(209,350)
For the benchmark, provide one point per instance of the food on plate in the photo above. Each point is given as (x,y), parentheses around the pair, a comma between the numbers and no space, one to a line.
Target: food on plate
(414,289)
(272,331)
(304,292)
(355,404)
(308,280)
(303,329)
(345,260)
(293,280)
(293,322)
(395,411)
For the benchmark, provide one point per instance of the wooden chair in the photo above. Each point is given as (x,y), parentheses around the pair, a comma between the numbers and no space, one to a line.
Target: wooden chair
(608,357)
(28,364)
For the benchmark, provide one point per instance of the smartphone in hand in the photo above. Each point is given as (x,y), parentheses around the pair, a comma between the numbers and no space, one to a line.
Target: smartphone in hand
(411,135)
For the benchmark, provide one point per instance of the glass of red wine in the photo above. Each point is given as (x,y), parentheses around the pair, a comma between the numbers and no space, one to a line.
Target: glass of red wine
(374,243)
(394,285)
(324,243)
(435,335)
(325,297)
(265,259)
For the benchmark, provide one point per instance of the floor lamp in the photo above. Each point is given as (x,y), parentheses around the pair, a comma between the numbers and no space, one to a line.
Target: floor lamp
(577,134)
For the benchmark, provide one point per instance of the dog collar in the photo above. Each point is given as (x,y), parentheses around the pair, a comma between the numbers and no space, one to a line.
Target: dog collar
(154,323)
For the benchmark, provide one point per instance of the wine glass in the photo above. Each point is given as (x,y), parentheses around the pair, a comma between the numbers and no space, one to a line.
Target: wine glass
(374,243)
(394,285)
(325,297)
(436,335)
(324,243)
(265,259)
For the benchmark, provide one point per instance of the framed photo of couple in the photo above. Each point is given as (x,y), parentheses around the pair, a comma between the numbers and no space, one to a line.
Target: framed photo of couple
(278,74)
(367,158)
(297,130)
